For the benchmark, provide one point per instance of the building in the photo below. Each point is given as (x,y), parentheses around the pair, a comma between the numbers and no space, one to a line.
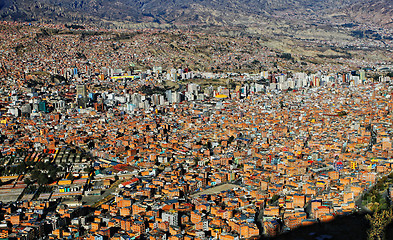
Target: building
(172,217)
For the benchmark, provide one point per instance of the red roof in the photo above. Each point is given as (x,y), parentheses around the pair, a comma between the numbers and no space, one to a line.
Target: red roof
(134,180)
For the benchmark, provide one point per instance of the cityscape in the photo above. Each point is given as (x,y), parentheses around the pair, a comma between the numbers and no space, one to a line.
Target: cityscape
(185,134)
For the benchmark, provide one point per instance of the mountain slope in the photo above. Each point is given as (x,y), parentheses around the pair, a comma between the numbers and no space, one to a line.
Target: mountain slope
(217,12)
(375,11)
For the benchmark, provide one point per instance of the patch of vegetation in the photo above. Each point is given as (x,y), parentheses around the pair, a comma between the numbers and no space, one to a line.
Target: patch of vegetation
(40,172)
(18,49)
(286,56)
(74,26)
(274,198)
(124,36)
(349,25)
(148,90)
(342,113)
(378,221)
(378,201)
(357,33)
(58,79)
(334,56)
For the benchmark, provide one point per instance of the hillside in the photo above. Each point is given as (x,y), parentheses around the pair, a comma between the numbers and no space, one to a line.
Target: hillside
(194,12)
(376,11)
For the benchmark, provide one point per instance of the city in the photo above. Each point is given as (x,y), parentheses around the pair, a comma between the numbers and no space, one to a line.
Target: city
(101,146)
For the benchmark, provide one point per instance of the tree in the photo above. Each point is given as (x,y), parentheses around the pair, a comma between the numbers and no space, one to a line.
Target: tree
(88,169)
(274,198)
(20,168)
(384,206)
(35,174)
(27,181)
(52,173)
(70,177)
(378,222)
(43,179)
(40,165)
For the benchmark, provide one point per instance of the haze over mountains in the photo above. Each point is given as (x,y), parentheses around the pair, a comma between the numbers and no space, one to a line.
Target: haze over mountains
(196,12)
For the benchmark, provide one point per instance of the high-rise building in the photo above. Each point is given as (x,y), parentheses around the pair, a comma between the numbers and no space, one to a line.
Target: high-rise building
(81,96)
(176,97)
(193,88)
(362,75)
(136,99)
(42,107)
(168,94)
(81,102)
(81,91)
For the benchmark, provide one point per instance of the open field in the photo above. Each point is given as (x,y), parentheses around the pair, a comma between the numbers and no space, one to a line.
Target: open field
(214,190)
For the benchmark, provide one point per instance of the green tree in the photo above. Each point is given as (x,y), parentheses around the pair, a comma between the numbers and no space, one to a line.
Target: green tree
(21,168)
(88,169)
(52,173)
(35,174)
(274,198)
(70,177)
(43,179)
(40,165)
(27,181)
(378,222)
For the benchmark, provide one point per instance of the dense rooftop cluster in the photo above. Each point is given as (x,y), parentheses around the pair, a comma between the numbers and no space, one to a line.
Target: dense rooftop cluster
(94,151)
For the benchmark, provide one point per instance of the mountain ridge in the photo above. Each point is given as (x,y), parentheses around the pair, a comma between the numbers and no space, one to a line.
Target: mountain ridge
(215,12)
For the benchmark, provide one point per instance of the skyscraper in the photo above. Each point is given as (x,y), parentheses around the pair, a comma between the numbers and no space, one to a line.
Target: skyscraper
(81,91)
(362,75)
(81,96)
